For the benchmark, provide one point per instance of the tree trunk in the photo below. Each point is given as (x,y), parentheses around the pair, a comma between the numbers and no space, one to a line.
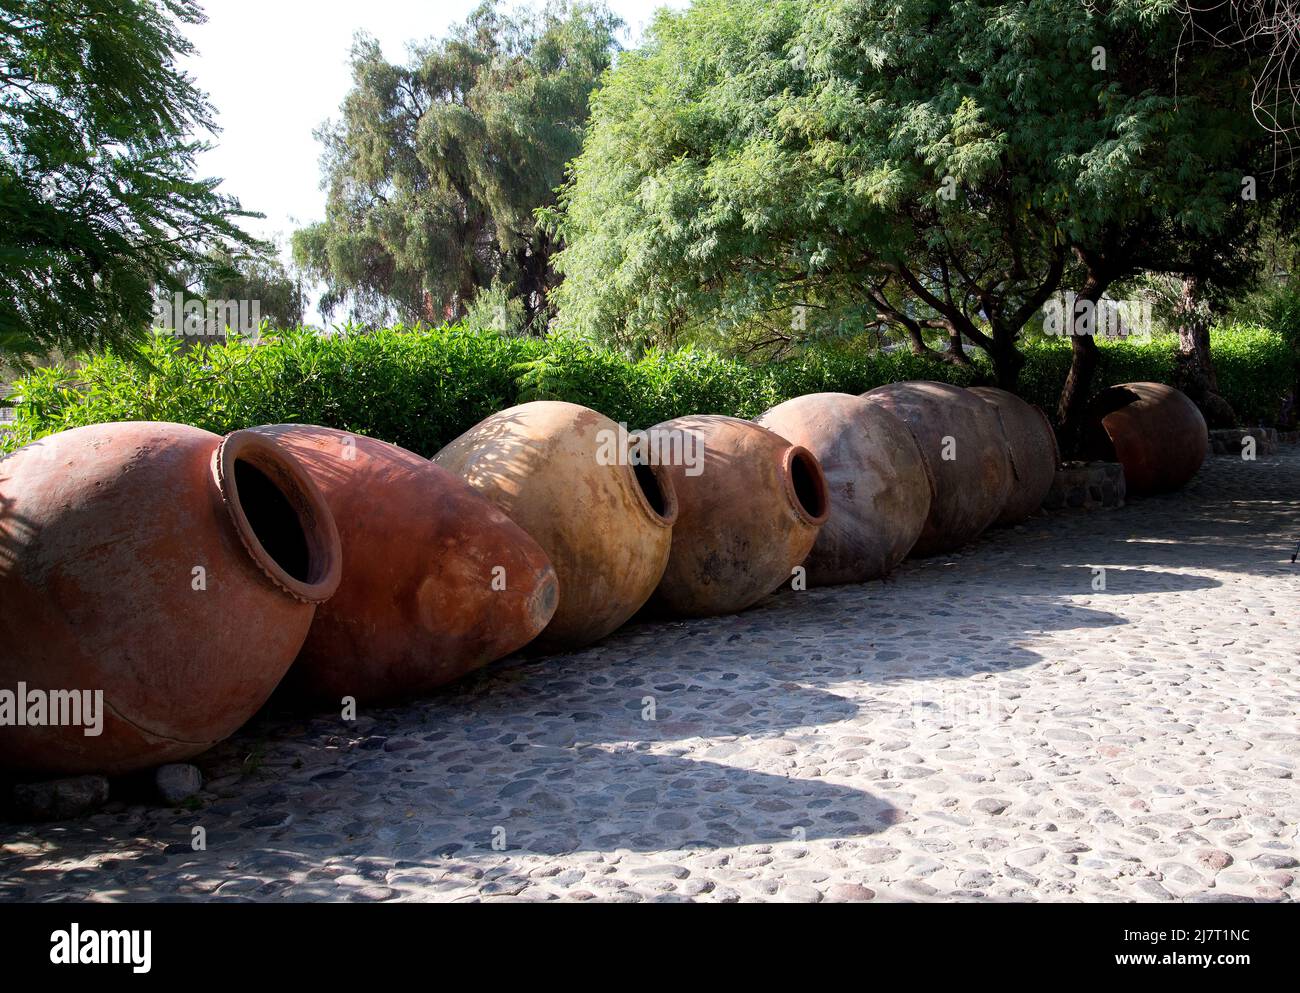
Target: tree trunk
(1083,366)
(1007,360)
(1197,377)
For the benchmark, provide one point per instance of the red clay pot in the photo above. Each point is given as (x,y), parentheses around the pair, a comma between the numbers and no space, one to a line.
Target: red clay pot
(878,483)
(437,581)
(970,488)
(1153,430)
(563,474)
(172,570)
(745,520)
(1034,452)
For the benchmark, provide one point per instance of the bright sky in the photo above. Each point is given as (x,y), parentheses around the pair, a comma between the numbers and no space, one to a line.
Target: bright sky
(276,69)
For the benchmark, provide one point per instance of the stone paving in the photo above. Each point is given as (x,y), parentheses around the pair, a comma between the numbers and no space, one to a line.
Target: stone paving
(989,726)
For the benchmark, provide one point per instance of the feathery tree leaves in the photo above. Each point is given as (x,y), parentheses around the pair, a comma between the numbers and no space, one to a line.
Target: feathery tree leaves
(938,166)
(436,167)
(98,203)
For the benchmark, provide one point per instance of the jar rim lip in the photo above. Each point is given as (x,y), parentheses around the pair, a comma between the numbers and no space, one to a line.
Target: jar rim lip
(325,550)
(799,453)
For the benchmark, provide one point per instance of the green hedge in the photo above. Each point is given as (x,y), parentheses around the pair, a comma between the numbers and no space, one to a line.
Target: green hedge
(421,388)
(1257,368)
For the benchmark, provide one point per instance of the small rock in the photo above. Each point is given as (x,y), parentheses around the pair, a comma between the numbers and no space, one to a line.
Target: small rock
(1270,860)
(851,892)
(1213,859)
(60,799)
(801,893)
(1027,857)
(695,887)
(991,806)
(877,854)
(975,879)
(675,871)
(178,782)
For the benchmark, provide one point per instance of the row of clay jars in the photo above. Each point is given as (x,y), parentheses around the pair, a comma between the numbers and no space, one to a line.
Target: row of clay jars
(434,581)
(1032,446)
(706,535)
(916,468)
(181,574)
(878,482)
(963,442)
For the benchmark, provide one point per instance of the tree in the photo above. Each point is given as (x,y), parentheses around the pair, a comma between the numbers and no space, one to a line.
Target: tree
(97,197)
(1265,30)
(260,277)
(436,168)
(944,167)
(239,291)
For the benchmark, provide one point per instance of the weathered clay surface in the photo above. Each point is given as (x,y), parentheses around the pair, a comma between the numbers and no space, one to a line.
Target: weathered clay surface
(436,580)
(1153,430)
(963,442)
(986,728)
(1034,452)
(878,485)
(745,520)
(606,527)
(173,571)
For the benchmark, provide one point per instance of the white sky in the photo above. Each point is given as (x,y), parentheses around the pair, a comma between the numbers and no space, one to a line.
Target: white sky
(276,69)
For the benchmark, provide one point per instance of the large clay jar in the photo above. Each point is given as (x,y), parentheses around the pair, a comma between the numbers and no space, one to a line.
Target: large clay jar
(750,505)
(563,473)
(437,581)
(1153,430)
(962,441)
(173,571)
(877,482)
(1034,452)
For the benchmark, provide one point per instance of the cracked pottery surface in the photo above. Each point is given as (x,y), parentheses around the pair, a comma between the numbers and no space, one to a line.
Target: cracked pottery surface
(981,726)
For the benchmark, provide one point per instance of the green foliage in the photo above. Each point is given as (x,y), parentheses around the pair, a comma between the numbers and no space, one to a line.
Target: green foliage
(1047,362)
(436,167)
(97,198)
(261,277)
(1256,368)
(422,387)
(936,165)
(1282,313)
(495,309)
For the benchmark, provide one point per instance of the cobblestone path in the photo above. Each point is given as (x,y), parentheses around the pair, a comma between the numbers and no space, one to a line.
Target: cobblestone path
(989,726)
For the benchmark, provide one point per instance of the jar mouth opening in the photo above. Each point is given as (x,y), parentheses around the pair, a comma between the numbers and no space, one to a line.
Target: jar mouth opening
(655,492)
(1098,442)
(280,515)
(805,485)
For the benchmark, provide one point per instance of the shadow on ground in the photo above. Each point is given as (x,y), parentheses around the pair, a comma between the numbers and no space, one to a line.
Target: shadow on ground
(557,755)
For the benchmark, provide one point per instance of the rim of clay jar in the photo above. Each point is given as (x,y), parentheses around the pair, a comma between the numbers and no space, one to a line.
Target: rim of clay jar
(314,518)
(665,483)
(797,453)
